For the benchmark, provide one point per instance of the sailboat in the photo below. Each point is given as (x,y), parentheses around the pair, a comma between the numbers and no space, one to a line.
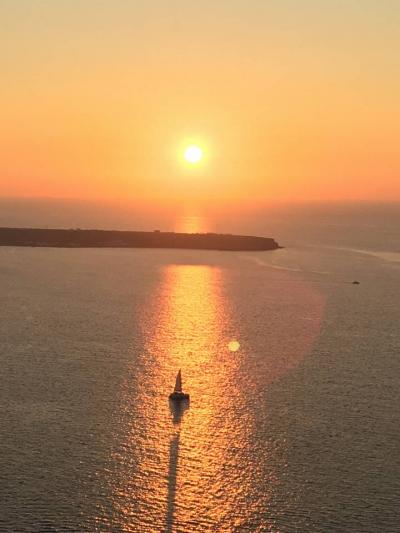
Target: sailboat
(178,394)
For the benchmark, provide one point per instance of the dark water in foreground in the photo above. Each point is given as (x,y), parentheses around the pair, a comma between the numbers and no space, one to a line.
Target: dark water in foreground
(295,431)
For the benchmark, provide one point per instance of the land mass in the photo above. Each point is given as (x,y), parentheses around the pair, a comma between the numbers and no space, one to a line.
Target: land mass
(93,238)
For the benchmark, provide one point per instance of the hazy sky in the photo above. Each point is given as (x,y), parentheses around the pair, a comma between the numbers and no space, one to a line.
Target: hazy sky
(291,99)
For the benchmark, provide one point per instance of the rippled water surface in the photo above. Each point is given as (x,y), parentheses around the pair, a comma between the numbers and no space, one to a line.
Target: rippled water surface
(292,370)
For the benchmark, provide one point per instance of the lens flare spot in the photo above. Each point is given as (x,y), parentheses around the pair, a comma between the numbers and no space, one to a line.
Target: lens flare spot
(233,346)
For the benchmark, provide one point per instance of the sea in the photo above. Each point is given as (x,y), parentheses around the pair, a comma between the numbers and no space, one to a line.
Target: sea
(293,373)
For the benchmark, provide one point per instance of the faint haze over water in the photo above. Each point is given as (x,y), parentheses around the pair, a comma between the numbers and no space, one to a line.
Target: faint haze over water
(369,225)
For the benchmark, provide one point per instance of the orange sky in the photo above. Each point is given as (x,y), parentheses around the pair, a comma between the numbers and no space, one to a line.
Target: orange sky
(292,100)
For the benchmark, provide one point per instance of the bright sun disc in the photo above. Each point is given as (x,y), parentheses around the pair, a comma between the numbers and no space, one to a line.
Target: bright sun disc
(193,154)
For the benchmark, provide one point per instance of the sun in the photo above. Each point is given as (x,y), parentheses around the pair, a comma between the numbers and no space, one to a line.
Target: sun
(193,154)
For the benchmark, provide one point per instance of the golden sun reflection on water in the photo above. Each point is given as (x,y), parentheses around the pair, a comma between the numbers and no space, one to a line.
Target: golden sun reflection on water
(200,467)
(182,454)
(192,332)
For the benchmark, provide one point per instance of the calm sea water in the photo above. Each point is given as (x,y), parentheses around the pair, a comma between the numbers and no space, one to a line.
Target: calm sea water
(293,372)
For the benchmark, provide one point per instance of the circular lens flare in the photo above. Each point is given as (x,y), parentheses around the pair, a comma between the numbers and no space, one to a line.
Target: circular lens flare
(233,346)
(193,154)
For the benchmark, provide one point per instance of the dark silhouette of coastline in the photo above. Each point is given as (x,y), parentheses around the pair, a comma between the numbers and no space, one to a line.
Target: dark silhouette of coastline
(84,238)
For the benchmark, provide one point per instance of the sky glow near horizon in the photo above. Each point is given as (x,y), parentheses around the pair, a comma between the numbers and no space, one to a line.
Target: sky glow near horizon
(295,100)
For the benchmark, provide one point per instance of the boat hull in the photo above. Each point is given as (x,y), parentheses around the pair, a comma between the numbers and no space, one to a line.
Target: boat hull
(178,396)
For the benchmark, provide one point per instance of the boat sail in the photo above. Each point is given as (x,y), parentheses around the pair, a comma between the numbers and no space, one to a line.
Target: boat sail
(178,394)
(178,382)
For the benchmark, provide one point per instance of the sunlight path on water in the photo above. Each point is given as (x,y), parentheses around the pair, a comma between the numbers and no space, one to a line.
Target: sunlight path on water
(196,467)
(182,457)
(192,335)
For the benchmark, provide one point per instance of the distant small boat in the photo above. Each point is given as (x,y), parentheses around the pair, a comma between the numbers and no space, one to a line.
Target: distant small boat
(178,394)
(355,282)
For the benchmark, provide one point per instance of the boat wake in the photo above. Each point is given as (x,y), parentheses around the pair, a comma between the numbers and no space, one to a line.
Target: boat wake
(391,257)
(262,263)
